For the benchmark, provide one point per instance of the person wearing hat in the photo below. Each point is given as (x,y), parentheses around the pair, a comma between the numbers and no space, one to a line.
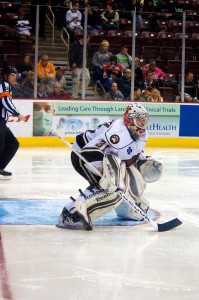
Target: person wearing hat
(8,142)
(112,71)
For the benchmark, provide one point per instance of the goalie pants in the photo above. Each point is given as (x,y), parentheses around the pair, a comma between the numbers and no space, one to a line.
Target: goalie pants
(79,165)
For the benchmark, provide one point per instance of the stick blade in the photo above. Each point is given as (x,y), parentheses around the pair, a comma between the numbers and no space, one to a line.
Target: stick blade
(169,225)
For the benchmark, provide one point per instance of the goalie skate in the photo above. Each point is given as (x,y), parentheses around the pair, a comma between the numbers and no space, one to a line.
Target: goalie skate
(70,221)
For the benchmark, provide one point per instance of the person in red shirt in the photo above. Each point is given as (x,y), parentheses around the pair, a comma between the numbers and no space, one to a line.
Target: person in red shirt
(58,93)
(112,71)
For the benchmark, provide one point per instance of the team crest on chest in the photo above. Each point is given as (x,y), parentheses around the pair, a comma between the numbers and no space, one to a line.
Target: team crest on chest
(114,139)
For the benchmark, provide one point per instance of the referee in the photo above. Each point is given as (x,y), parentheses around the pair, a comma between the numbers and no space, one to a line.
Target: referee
(8,142)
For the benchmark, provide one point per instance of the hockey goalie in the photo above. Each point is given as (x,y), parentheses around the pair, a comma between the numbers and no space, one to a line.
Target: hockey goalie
(116,150)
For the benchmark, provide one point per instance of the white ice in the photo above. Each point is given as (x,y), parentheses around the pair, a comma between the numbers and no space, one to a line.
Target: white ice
(110,263)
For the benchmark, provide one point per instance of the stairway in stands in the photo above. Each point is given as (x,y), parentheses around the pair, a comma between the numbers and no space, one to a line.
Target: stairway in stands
(57,53)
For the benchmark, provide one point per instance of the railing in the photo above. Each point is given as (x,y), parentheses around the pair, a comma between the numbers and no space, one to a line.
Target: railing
(52,23)
(66,40)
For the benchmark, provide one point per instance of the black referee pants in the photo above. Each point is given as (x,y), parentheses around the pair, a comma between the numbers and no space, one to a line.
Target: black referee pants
(8,144)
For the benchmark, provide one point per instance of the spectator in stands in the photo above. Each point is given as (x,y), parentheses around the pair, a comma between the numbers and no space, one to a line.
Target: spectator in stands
(24,67)
(75,56)
(114,93)
(164,10)
(148,84)
(138,71)
(73,19)
(59,9)
(45,67)
(155,96)
(158,74)
(94,20)
(28,85)
(58,93)
(124,84)
(112,71)
(43,5)
(99,60)
(190,88)
(110,18)
(124,58)
(59,78)
(130,6)
(22,26)
(41,91)
(138,95)
(150,7)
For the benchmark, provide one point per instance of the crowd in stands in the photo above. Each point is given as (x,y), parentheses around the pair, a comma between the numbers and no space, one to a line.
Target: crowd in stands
(109,47)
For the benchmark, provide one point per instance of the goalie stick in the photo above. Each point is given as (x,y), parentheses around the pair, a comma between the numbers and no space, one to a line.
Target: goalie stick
(159,227)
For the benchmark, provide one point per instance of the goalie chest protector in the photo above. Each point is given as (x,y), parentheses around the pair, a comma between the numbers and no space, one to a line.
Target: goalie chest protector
(120,140)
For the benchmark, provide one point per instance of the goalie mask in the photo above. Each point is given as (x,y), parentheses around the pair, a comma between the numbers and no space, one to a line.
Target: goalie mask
(136,119)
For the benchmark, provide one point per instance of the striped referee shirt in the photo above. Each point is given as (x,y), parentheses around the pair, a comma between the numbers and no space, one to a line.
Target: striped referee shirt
(6,105)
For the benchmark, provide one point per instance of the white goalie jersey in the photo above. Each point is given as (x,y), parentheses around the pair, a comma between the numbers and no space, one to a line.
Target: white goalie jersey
(112,137)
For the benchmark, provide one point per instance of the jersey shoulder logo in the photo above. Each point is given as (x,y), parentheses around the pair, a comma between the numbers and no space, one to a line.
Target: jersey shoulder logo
(114,139)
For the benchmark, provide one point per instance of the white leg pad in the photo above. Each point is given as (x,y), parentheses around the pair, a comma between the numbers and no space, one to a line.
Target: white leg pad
(135,186)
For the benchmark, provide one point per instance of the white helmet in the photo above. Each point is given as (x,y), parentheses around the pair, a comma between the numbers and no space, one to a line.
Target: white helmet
(136,118)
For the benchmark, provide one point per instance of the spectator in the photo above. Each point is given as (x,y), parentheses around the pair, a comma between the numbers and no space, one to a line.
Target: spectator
(43,5)
(114,93)
(73,19)
(110,18)
(24,67)
(148,84)
(112,71)
(99,60)
(138,95)
(41,91)
(155,96)
(124,58)
(138,71)
(158,74)
(45,68)
(22,26)
(94,20)
(124,84)
(28,85)
(75,56)
(130,6)
(190,88)
(59,78)
(58,93)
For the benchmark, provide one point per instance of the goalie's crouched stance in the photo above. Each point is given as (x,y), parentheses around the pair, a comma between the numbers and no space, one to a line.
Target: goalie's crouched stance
(117,179)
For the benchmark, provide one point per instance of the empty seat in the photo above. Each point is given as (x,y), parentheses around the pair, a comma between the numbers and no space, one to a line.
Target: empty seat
(2,61)
(148,38)
(175,26)
(163,24)
(97,36)
(150,52)
(178,39)
(189,53)
(174,66)
(116,37)
(167,53)
(145,26)
(13,59)
(128,37)
(125,24)
(195,39)
(192,26)
(171,77)
(193,13)
(9,46)
(192,66)
(25,46)
(166,39)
